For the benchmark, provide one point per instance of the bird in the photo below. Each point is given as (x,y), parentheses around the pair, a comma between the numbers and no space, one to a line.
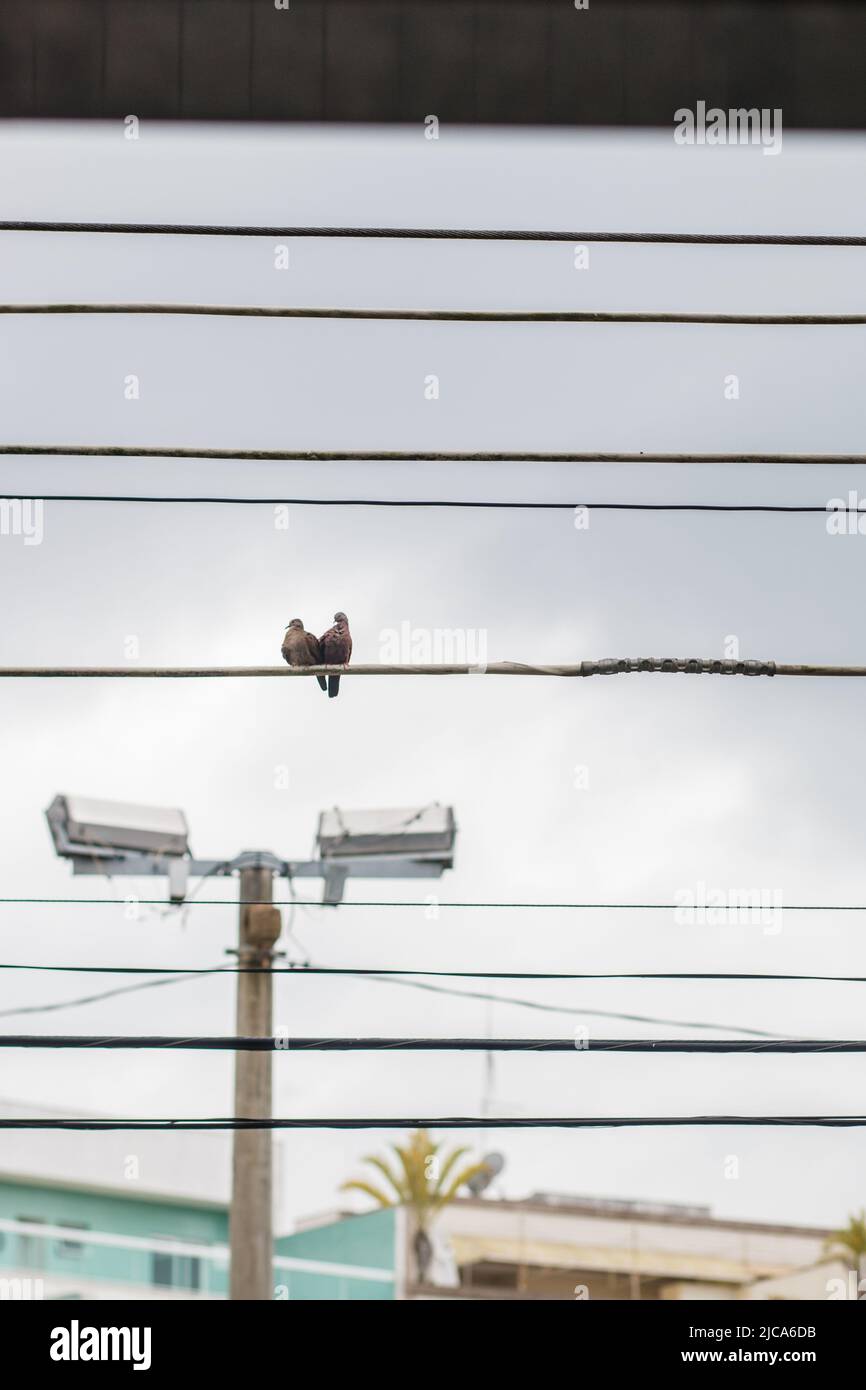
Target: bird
(336,645)
(301,648)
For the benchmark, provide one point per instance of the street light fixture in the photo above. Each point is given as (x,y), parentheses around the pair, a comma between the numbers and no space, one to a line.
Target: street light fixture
(121,840)
(426,833)
(82,825)
(407,843)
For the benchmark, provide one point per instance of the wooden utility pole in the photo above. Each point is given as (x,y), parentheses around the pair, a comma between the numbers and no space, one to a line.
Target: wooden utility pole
(251,1216)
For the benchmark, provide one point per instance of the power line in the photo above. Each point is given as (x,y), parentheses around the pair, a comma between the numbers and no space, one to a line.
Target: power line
(399,979)
(402,979)
(408,456)
(732,908)
(437,233)
(82,1000)
(580,1012)
(110,1042)
(579,316)
(821,507)
(607,666)
(361,971)
(443,1122)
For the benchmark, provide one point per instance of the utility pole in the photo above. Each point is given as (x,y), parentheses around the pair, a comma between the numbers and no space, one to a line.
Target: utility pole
(251,1219)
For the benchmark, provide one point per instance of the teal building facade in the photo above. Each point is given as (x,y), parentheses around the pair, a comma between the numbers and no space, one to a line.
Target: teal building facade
(60,1242)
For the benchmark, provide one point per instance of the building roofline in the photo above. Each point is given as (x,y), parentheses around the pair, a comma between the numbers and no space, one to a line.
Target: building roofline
(588,1207)
(129,1192)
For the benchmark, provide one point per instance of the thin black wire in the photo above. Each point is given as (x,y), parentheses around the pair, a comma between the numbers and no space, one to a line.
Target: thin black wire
(403,902)
(392,977)
(300,970)
(105,994)
(446,1122)
(436,233)
(432,502)
(115,1042)
(486,997)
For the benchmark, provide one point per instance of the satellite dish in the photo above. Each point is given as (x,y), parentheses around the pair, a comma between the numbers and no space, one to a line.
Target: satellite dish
(495,1163)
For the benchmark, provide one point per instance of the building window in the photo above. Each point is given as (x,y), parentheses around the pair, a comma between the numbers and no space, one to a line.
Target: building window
(72,1249)
(176,1271)
(31,1247)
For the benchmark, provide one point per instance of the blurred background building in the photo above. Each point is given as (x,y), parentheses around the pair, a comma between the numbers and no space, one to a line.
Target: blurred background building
(133,1216)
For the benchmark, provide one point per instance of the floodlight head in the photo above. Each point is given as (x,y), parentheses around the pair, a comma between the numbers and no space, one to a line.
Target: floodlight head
(426,833)
(82,826)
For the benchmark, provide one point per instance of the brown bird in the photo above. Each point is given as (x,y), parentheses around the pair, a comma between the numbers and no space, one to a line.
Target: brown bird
(301,648)
(336,645)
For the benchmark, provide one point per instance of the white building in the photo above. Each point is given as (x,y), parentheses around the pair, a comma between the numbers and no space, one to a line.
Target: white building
(561,1247)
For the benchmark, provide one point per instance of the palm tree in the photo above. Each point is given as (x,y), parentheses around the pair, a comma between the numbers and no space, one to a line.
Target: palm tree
(421,1182)
(849,1243)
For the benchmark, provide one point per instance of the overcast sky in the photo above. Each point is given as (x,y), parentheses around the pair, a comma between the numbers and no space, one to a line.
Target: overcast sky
(734,783)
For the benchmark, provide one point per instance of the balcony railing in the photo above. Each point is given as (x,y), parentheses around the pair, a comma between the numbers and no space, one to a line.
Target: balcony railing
(40,1260)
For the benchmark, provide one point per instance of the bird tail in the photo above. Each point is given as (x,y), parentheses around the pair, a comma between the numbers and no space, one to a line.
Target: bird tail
(322,682)
(333,687)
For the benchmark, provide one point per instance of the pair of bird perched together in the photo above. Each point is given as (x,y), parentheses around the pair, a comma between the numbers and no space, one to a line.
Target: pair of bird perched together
(333,648)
